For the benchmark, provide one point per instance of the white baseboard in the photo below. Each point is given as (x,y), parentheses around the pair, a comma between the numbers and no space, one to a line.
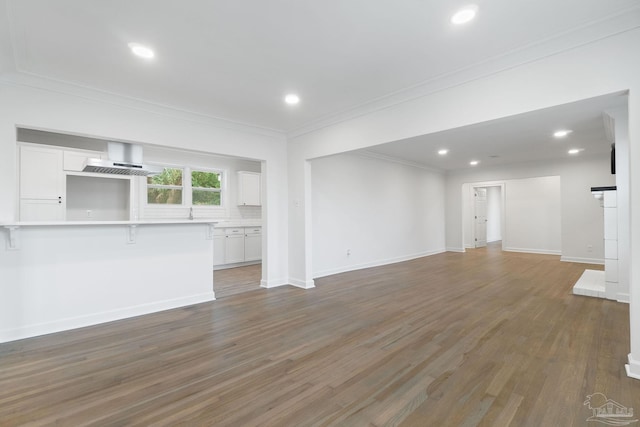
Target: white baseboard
(534,251)
(60,325)
(450,249)
(273,283)
(633,368)
(304,284)
(597,261)
(238,264)
(625,298)
(377,263)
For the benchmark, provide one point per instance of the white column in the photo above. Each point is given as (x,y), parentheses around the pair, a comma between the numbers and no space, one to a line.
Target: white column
(633,367)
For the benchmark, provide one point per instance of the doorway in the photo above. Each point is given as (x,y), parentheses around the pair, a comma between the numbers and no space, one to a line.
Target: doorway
(486,214)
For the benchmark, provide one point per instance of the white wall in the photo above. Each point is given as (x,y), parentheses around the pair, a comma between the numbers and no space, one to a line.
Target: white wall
(532,215)
(581,217)
(26,272)
(53,111)
(494,207)
(381,211)
(608,65)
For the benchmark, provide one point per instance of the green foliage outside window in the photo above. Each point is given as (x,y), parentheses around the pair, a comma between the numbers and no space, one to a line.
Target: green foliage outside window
(206,188)
(165,188)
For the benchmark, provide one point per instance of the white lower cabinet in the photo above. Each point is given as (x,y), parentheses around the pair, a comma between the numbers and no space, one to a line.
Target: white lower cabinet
(236,245)
(253,244)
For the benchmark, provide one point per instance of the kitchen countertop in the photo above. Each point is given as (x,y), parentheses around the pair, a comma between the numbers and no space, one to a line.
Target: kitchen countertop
(233,223)
(128,223)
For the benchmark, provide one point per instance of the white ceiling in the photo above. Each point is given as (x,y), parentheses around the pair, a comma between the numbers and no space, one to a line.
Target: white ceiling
(236,59)
(515,139)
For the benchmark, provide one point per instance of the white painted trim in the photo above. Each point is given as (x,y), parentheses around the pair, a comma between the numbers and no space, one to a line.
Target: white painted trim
(273,283)
(597,261)
(494,240)
(237,264)
(633,368)
(33,80)
(533,251)
(452,249)
(304,284)
(105,316)
(392,159)
(502,184)
(378,263)
(624,298)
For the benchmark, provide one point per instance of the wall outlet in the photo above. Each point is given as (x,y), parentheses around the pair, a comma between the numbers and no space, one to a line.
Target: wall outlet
(589,248)
(348,252)
(89,213)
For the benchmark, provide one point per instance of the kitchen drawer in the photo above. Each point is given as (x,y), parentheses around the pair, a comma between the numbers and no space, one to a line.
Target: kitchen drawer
(232,231)
(253,230)
(218,232)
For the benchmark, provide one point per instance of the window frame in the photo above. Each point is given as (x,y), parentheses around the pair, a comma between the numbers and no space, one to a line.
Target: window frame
(187,189)
(182,187)
(221,177)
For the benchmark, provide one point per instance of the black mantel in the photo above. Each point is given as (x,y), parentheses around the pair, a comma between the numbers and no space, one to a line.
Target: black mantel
(610,188)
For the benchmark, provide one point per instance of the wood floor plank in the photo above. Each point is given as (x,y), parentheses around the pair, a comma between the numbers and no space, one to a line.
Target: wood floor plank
(486,338)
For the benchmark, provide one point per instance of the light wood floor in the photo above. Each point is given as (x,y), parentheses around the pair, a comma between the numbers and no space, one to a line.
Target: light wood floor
(482,338)
(234,281)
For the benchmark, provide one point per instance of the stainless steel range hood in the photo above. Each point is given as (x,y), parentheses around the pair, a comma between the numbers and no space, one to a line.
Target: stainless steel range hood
(124,159)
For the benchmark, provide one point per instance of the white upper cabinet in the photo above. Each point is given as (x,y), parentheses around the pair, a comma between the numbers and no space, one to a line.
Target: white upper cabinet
(41,174)
(253,244)
(249,189)
(42,184)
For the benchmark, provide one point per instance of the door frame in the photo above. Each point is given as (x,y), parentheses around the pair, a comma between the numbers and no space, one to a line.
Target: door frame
(471,213)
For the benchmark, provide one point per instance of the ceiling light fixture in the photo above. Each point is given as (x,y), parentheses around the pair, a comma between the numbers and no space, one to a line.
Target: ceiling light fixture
(574,151)
(141,51)
(562,133)
(474,162)
(464,15)
(443,151)
(292,99)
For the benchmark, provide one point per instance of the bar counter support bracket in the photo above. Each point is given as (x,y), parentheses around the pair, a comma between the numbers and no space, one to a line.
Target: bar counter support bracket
(12,243)
(131,235)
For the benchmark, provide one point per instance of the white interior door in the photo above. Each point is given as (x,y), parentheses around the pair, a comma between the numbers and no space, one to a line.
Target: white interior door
(480,214)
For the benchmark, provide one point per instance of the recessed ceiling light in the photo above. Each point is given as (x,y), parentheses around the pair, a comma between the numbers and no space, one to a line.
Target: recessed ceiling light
(464,15)
(141,51)
(562,133)
(474,162)
(443,151)
(292,99)
(574,151)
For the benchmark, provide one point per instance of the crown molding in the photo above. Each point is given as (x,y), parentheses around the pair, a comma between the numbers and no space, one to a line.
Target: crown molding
(34,81)
(589,33)
(392,159)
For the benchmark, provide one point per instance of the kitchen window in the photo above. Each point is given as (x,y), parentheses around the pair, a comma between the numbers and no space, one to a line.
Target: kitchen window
(206,188)
(166,188)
